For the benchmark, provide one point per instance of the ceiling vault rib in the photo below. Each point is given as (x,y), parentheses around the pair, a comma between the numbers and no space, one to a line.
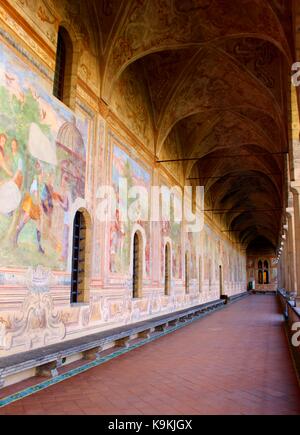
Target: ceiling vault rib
(222,157)
(244,211)
(235,176)
(210,102)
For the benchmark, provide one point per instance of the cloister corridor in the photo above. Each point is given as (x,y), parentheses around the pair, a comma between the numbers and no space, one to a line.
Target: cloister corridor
(234,361)
(149,208)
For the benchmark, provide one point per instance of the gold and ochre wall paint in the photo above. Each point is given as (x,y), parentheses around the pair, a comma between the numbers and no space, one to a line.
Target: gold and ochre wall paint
(52,162)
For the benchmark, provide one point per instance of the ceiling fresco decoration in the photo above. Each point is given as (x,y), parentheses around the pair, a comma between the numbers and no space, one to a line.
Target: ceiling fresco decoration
(214,72)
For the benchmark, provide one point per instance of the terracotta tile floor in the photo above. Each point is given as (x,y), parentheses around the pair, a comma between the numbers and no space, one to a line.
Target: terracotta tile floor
(235,361)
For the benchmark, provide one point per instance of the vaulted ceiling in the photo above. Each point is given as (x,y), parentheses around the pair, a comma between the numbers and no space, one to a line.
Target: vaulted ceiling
(218,75)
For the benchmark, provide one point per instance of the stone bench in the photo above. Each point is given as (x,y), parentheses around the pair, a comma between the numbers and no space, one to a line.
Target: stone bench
(292,316)
(49,359)
(263,292)
(238,296)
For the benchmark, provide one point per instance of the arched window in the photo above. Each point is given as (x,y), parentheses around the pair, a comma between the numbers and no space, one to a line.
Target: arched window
(63,67)
(260,272)
(266,272)
(137,264)
(167,269)
(187,273)
(79,284)
(200,274)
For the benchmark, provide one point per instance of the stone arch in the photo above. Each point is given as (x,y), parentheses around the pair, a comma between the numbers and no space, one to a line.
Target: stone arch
(73,52)
(137,259)
(142,32)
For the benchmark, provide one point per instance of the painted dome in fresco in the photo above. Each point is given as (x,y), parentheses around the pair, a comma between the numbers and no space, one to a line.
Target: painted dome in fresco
(70,137)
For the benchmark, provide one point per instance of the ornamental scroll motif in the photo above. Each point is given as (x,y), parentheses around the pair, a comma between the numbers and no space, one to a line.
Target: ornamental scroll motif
(38,323)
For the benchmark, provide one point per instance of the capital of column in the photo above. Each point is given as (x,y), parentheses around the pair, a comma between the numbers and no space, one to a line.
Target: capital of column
(295,187)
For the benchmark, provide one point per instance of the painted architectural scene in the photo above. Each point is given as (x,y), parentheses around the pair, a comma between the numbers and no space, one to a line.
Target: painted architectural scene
(171,229)
(42,169)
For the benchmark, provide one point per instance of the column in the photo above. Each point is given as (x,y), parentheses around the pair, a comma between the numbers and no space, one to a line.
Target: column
(287,263)
(292,247)
(295,188)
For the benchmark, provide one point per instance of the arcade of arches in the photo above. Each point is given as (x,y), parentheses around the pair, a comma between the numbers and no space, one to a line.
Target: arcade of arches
(156,93)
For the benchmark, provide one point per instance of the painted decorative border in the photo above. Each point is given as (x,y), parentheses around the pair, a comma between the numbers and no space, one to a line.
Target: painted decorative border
(86,109)
(10,40)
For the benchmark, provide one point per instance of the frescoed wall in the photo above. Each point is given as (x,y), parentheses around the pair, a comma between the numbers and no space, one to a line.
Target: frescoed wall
(42,169)
(217,252)
(130,102)
(127,169)
(52,162)
(171,229)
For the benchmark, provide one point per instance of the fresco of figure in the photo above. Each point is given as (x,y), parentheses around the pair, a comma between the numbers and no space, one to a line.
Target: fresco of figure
(3,162)
(65,202)
(116,241)
(17,164)
(41,143)
(120,231)
(10,189)
(48,197)
(31,208)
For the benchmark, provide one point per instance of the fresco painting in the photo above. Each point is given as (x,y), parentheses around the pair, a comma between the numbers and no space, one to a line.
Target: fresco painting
(172,230)
(274,276)
(53,160)
(42,168)
(194,242)
(205,249)
(123,166)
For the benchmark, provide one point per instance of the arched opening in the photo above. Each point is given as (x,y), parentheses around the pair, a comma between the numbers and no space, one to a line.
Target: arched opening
(200,274)
(221,280)
(167,269)
(260,272)
(80,261)
(187,272)
(137,277)
(63,67)
(266,272)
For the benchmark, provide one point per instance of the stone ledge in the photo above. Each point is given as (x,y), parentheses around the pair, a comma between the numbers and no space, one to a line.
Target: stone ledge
(291,315)
(46,356)
(238,296)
